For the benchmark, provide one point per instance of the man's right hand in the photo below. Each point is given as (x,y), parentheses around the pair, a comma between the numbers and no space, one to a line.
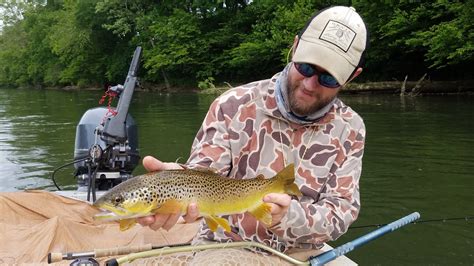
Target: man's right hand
(165,221)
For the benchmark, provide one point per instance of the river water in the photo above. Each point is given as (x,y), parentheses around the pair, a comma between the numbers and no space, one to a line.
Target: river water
(418,158)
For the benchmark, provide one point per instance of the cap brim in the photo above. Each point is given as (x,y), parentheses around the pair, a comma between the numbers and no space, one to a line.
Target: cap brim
(332,61)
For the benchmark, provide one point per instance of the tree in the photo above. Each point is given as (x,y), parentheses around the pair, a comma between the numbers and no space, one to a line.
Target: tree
(416,37)
(90,42)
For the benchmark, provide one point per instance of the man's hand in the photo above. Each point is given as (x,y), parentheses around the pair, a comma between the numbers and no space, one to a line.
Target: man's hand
(165,221)
(279,203)
(152,164)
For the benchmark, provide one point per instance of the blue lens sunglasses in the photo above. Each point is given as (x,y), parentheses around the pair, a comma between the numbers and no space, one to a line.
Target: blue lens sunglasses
(324,78)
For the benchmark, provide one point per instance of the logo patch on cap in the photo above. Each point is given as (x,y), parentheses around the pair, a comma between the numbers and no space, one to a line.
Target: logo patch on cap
(338,34)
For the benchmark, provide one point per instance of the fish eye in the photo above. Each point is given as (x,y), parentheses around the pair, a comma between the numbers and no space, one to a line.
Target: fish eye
(118,199)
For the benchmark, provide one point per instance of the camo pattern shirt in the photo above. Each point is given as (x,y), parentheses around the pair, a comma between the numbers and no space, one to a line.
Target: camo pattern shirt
(240,138)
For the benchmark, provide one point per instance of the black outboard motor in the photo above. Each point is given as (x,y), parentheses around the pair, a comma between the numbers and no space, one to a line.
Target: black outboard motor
(120,162)
(106,146)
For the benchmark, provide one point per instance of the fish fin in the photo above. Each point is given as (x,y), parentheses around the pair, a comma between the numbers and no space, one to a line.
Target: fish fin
(213,222)
(293,189)
(140,207)
(286,177)
(199,169)
(263,213)
(126,224)
(203,169)
(170,206)
(185,167)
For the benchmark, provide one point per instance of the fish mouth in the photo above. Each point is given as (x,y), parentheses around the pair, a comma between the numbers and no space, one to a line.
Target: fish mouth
(111,212)
(109,216)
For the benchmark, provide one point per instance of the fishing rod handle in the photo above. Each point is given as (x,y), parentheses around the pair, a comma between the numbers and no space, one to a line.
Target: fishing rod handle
(348,247)
(58,256)
(404,221)
(55,257)
(106,252)
(97,253)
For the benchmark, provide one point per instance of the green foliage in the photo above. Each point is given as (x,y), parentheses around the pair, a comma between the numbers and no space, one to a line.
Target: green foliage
(90,42)
(207,84)
(452,40)
(13,50)
(175,42)
(418,37)
(267,46)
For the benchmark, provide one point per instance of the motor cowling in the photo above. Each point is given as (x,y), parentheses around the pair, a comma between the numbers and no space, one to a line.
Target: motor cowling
(112,163)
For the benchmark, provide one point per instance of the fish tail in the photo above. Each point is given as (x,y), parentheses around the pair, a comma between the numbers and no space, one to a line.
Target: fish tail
(286,178)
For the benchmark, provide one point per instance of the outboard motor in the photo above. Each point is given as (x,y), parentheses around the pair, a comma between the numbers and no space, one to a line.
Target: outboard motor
(116,162)
(106,146)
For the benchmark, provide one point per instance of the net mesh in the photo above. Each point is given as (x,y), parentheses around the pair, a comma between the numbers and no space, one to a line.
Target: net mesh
(224,256)
(230,253)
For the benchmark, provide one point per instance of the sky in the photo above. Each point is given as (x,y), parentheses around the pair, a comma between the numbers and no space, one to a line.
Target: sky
(12,10)
(1,18)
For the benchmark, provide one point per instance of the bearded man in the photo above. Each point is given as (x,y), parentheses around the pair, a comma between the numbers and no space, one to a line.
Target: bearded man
(294,117)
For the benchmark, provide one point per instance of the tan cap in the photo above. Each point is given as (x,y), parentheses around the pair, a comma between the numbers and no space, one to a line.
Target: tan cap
(335,40)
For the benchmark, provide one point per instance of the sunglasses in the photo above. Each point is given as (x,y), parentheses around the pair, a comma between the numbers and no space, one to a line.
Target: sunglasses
(324,78)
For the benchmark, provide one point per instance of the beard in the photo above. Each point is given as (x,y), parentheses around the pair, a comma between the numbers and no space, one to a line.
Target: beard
(302,108)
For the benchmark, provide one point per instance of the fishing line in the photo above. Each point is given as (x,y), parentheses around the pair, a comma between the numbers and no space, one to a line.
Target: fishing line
(466,218)
(64,165)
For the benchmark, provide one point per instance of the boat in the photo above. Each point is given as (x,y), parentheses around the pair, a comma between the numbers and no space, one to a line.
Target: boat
(58,226)
(53,223)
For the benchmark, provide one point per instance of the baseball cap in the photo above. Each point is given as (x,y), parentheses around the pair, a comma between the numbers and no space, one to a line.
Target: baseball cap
(334,39)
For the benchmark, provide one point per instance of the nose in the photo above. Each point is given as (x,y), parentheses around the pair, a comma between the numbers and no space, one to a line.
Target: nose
(312,82)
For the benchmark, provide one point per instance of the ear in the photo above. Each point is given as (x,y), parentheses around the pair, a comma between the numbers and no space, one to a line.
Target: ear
(356,73)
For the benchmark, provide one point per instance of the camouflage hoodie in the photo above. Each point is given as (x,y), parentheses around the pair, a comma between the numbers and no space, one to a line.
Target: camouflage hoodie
(244,135)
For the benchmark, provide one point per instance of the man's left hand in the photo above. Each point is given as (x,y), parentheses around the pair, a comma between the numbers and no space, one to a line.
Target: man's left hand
(279,203)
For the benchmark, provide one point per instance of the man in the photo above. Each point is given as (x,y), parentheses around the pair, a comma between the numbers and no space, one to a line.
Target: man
(294,117)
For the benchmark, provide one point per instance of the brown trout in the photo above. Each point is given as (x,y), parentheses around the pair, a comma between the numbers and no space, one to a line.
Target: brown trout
(170,191)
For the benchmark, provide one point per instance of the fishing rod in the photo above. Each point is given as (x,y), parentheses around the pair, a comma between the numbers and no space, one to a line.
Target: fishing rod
(314,260)
(348,247)
(104,252)
(466,218)
(149,250)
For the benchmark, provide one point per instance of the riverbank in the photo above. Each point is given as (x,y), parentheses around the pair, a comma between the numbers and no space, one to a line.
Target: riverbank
(412,88)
